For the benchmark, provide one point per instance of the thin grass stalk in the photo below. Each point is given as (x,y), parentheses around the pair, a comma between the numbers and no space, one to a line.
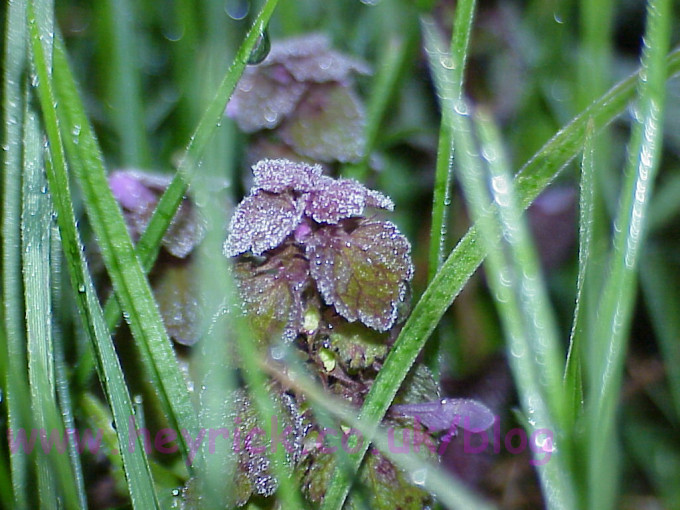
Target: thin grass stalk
(618,295)
(15,382)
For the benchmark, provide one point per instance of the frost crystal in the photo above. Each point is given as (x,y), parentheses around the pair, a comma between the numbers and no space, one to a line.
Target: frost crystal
(261,222)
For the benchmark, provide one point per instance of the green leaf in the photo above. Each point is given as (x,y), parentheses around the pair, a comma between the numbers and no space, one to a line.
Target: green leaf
(356,345)
(362,270)
(272,293)
(466,257)
(328,125)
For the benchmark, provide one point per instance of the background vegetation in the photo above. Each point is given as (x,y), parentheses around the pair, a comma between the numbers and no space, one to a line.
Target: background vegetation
(549,90)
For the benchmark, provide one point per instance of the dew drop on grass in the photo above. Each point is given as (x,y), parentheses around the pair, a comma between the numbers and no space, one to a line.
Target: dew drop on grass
(261,49)
(237,9)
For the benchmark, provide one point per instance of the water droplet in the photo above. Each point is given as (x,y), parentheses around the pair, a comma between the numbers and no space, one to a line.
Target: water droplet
(81,288)
(261,49)
(370,2)
(419,476)
(237,9)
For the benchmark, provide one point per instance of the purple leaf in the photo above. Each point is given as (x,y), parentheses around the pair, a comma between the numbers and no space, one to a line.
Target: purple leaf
(263,98)
(308,58)
(272,293)
(277,175)
(262,221)
(449,413)
(138,194)
(333,200)
(328,125)
(362,273)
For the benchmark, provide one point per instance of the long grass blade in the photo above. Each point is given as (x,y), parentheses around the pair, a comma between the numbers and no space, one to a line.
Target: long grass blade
(618,295)
(15,381)
(451,63)
(140,483)
(573,374)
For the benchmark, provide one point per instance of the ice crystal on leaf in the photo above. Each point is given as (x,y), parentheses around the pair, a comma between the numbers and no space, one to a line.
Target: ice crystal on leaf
(262,221)
(363,273)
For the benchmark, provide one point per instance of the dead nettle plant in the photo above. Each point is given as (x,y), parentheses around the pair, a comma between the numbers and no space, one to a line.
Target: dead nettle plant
(318,269)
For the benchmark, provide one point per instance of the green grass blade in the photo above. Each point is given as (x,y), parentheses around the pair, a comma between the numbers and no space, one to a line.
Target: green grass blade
(523,304)
(573,382)
(618,295)
(452,64)
(139,479)
(125,271)
(55,475)
(466,257)
(15,381)
(120,40)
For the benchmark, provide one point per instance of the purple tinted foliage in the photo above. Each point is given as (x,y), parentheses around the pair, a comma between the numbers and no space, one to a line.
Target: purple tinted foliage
(138,193)
(363,273)
(448,413)
(272,293)
(361,267)
(262,221)
(304,87)
(277,175)
(310,58)
(328,125)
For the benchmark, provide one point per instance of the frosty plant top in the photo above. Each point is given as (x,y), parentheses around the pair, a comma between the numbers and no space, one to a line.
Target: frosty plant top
(301,235)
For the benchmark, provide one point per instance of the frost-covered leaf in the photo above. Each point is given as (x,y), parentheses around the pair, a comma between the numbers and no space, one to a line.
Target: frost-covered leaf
(254,475)
(333,200)
(309,58)
(449,413)
(386,486)
(262,221)
(272,293)
(277,175)
(138,194)
(356,345)
(362,268)
(378,200)
(177,302)
(264,97)
(328,125)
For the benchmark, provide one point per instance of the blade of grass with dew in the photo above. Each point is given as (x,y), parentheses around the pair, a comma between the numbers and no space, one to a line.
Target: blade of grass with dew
(530,323)
(660,289)
(147,247)
(618,295)
(61,367)
(124,269)
(54,474)
(452,64)
(15,381)
(446,488)
(466,257)
(448,71)
(573,375)
(138,476)
(6,488)
(120,39)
